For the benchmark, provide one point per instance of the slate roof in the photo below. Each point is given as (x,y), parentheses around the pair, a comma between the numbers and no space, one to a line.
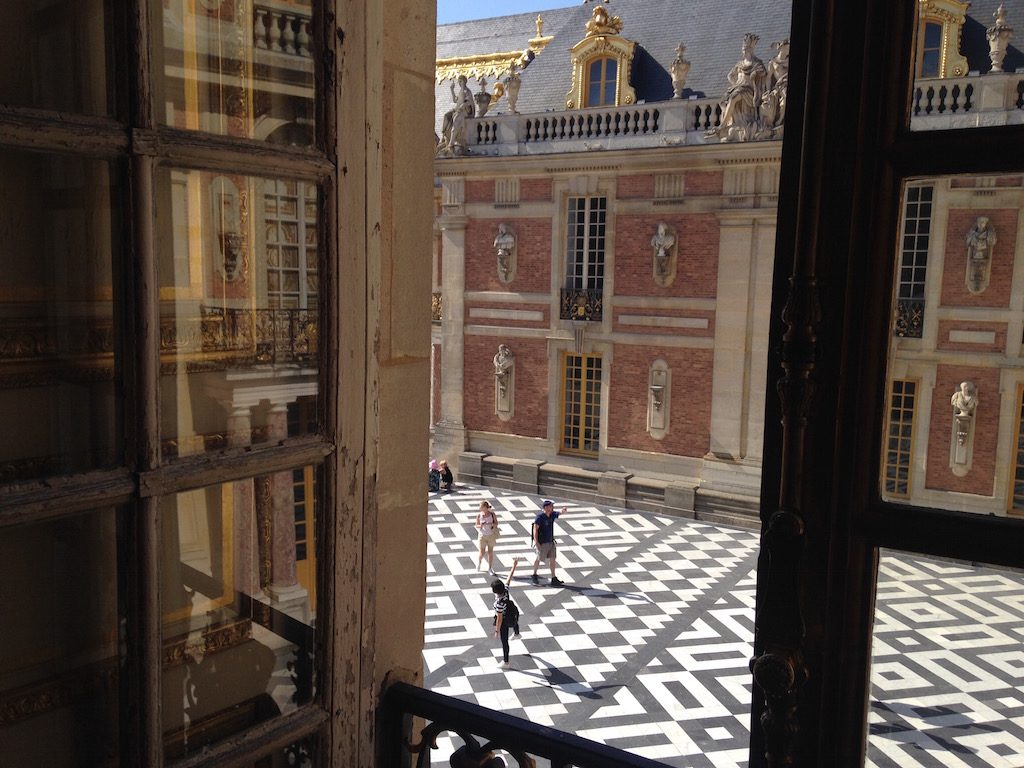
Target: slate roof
(711,31)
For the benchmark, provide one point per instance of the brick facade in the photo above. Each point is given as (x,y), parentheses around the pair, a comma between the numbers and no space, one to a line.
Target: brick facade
(534,190)
(479,191)
(435,364)
(697,243)
(690,401)
(530,417)
(980,480)
(954,283)
(633,187)
(533,255)
(703,183)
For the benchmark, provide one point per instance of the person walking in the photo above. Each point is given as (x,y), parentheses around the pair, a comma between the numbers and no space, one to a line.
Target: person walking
(544,540)
(506,613)
(487,526)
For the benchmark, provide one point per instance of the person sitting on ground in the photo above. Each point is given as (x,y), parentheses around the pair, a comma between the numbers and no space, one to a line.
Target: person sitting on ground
(506,613)
(433,477)
(446,476)
(544,540)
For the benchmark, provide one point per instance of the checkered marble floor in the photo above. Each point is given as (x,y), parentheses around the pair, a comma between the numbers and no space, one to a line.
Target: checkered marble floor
(646,646)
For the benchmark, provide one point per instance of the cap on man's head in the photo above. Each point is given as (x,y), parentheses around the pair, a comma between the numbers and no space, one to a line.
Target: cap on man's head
(548,503)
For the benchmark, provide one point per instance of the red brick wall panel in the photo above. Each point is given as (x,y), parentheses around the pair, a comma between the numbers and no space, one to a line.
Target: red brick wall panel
(436,377)
(697,243)
(703,183)
(981,478)
(945,326)
(954,277)
(633,187)
(534,190)
(530,417)
(690,406)
(533,255)
(480,191)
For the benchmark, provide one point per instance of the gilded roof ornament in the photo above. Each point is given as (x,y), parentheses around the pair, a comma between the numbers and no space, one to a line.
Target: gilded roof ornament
(601,23)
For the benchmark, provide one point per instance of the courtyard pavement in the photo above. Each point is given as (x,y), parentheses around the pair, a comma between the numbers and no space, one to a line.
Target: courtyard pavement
(646,646)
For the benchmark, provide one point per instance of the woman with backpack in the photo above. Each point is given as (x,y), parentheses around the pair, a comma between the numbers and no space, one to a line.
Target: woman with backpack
(487,525)
(506,613)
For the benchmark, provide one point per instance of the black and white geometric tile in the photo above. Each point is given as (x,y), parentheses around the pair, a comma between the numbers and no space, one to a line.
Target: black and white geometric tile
(647,645)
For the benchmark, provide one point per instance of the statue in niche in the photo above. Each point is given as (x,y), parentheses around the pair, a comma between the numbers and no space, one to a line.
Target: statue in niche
(679,69)
(453,127)
(504,374)
(747,81)
(504,246)
(663,242)
(773,102)
(965,403)
(965,399)
(981,239)
(482,97)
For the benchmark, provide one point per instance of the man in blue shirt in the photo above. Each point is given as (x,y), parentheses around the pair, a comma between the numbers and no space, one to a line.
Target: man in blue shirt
(544,540)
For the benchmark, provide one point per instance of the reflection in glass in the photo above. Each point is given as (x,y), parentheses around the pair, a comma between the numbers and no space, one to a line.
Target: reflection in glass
(946,664)
(239,311)
(239,604)
(59,657)
(242,69)
(58,216)
(964,66)
(54,54)
(955,370)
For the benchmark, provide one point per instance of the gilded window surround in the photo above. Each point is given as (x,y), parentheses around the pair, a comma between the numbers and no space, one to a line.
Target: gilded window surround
(951,14)
(602,40)
(480,65)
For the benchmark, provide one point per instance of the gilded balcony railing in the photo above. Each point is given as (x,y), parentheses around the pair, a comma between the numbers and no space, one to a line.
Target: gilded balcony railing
(243,336)
(909,319)
(581,304)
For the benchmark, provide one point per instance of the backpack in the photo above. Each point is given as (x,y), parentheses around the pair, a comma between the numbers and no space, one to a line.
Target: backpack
(511,613)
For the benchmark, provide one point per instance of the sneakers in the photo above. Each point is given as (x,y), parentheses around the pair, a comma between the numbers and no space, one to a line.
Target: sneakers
(490,572)
(535,579)
(505,665)
(516,636)
(556,582)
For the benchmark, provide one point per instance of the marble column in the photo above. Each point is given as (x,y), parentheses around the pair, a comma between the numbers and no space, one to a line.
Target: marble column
(245,542)
(284,589)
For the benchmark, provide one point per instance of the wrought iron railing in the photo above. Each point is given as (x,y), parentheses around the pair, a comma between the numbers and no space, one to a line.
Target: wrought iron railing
(909,320)
(581,304)
(484,733)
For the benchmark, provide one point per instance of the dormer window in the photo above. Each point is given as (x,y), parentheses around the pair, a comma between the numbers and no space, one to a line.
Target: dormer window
(601,64)
(940,24)
(602,82)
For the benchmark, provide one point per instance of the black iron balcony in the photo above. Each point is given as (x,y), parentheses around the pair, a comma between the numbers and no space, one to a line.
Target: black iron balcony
(482,732)
(909,320)
(581,304)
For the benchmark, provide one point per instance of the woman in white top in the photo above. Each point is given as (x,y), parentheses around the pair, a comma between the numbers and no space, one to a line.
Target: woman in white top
(487,525)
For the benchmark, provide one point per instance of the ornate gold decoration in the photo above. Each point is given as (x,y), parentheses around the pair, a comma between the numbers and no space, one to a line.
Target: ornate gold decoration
(188,649)
(265,528)
(951,14)
(602,40)
(57,692)
(435,307)
(480,65)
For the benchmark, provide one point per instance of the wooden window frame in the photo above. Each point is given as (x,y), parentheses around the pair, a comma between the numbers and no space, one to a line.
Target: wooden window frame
(590,392)
(585,267)
(897,404)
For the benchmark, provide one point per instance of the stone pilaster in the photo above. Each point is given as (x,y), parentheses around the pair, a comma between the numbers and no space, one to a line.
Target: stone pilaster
(244,537)
(450,430)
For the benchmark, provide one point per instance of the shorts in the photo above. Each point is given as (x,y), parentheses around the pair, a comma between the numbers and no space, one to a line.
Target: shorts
(488,539)
(546,551)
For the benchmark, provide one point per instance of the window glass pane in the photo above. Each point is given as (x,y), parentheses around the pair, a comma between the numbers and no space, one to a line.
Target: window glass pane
(239,313)
(238,607)
(955,373)
(55,54)
(240,69)
(61,233)
(966,67)
(59,656)
(945,675)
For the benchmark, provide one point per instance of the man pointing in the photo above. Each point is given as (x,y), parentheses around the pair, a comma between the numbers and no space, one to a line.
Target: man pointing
(544,540)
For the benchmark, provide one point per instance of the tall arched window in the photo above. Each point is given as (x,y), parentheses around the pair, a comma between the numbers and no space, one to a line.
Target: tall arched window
(602,79)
